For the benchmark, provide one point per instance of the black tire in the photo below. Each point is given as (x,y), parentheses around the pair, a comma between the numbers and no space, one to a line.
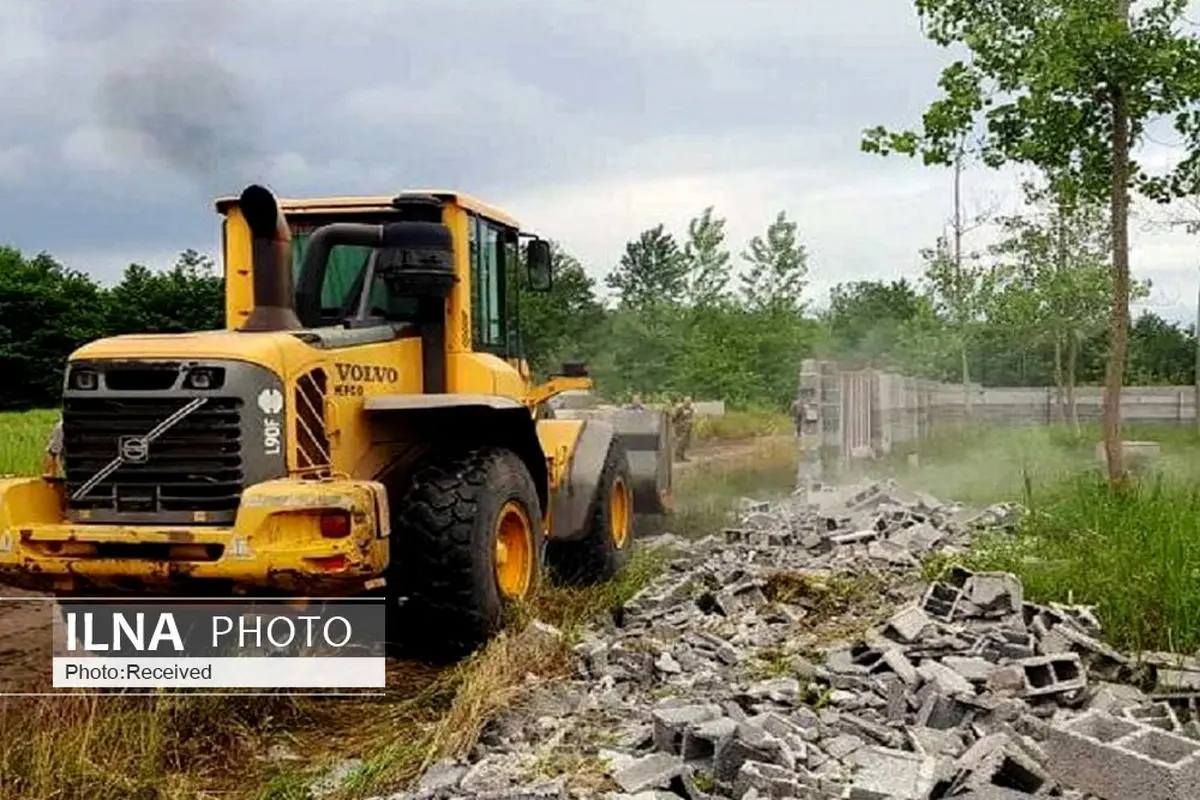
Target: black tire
(443,564)
(598,556)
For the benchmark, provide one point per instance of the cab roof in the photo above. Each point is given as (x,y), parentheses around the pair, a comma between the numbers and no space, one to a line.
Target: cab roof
(323,206)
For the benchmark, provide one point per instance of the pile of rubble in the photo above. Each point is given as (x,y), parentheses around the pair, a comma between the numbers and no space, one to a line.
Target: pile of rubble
(711,684)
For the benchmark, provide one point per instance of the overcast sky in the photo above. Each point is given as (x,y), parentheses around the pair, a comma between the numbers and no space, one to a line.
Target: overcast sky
(121,119)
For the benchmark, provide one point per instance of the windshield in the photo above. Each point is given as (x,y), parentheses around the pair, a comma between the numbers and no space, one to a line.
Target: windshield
(339,299)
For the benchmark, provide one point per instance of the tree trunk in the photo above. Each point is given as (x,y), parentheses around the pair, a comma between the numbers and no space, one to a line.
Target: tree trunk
(964,356)
(1059,381)
(960,299)
(1114,373)
(1060,266)
(1072,369)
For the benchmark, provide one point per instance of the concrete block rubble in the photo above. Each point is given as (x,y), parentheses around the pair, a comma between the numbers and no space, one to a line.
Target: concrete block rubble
(715,682)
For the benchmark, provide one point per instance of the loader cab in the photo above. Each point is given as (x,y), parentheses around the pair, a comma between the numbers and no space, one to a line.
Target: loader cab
(446,255)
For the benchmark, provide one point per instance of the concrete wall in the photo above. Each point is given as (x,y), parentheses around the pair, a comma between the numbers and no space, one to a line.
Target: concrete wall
(866,412)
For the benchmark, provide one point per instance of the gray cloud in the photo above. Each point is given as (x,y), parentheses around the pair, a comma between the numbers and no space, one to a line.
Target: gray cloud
(122,118)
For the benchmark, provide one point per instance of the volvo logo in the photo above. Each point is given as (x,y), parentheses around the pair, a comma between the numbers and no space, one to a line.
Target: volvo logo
(134,449)
(270,401)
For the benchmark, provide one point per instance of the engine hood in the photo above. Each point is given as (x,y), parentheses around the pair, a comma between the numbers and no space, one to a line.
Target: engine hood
(279,352)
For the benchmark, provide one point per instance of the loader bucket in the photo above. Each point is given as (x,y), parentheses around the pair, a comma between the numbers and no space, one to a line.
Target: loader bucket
(649,444)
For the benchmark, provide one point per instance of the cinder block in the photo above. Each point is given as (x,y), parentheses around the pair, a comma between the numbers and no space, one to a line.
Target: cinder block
(1156,715)
(941,600)
(1119,758)
(1056,674)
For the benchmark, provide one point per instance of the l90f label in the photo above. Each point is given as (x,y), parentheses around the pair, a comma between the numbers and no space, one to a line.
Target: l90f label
(270,402)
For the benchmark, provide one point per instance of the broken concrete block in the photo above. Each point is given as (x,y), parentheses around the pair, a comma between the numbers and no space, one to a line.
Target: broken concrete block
(441,777)
(649,772)
(748,743)
(670,724)
(993,760)
(891,553)
(887,774)
(900,665)
(1116,758)
(700,741)
(975,670)
(1006,644)
(908,625)
(840,747)
(1007,681)
(945,679)
(769,780)
(1177,680)
(785,691)
(854,537)
(1113,697)
(994,594)
(548,790)
(940,712)
(1156,715)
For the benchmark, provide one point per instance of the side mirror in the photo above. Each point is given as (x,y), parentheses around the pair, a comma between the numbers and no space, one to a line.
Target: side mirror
(537,263)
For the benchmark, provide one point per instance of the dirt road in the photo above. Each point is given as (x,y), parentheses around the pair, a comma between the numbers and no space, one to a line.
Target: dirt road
(707,452)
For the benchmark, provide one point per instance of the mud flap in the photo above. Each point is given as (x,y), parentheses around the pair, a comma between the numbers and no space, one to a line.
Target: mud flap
(649,444)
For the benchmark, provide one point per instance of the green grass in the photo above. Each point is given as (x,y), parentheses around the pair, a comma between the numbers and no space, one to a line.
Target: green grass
(735,425)
(1133,554)
(23,440)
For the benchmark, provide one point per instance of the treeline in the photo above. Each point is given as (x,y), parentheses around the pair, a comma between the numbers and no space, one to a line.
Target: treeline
(47,310)
(686,315)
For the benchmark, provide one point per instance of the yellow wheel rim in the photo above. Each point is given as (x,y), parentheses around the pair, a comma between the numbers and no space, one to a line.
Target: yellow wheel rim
(618,513)
(514,550)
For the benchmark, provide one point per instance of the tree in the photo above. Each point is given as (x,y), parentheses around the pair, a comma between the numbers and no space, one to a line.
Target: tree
(864,318)
(1057,282)
(648,327)
(46,312)
(960,289)
(652,271)
(1161,352)
(562,324)
(190,296)
(773,300)
(707,260)
(1069,87)
(778,268)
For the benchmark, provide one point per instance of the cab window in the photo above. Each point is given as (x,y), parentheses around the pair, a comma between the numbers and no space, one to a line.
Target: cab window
(487,285)
(342,272)
(343,285)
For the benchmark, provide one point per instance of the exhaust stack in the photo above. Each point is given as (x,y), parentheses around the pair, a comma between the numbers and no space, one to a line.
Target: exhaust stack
(271,257)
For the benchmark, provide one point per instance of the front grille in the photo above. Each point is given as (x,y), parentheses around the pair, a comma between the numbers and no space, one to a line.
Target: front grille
(195,466)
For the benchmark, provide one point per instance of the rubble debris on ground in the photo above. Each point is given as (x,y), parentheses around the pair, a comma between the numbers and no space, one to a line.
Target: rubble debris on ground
(714,683)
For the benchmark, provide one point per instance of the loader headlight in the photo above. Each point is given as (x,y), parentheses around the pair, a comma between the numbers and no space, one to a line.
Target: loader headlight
(202,378)
(84,379)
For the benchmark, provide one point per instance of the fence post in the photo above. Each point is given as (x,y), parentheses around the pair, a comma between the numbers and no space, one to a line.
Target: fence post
(810,431)
(831,417)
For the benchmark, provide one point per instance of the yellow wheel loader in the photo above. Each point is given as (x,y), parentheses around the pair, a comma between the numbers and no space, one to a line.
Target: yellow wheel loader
(366,424)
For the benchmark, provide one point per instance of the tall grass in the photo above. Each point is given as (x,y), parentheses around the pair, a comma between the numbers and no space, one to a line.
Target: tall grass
(187,746)
(1134,554)
(741,425)
(23,438)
